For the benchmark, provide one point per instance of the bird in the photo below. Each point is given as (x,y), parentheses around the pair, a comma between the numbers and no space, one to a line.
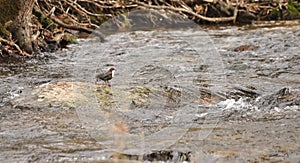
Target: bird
(106,76)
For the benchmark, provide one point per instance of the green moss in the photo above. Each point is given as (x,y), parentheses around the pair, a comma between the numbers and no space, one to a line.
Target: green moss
(293,10)
(141,91)
(71,39)
(295,7)
(126,21)
(105,96)
(45,21)
(140,96)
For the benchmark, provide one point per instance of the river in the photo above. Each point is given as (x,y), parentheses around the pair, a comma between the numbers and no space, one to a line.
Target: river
(209,94)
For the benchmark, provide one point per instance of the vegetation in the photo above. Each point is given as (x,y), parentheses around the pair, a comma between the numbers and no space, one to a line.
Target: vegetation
(28,27)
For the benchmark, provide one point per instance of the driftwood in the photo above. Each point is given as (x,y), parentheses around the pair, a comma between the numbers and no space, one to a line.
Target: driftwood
(83,13)
(51,18)
(78,28)
(186,9)
(11,43)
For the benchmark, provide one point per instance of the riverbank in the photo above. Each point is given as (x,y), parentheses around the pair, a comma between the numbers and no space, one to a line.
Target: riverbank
(55,24)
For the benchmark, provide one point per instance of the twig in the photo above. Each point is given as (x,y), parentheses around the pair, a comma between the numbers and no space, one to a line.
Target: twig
(78,7)
(235,13)
(189,11)
(108,5)
(79,11)
(78,28)
(11,43)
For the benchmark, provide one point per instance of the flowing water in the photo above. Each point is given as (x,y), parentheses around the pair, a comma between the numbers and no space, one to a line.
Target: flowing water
(237,97)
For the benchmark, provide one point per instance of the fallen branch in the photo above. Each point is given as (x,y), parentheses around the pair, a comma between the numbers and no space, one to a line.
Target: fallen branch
(11,43)
(82,10)
(78,28)
(108,4)
(188,10)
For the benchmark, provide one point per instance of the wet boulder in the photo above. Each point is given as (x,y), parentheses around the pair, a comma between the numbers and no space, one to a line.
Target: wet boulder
(281,104)
(60,94)
(283,98)
(72,94)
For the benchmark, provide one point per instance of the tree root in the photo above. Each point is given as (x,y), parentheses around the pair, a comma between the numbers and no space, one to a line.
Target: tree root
(11,43)
(55,17)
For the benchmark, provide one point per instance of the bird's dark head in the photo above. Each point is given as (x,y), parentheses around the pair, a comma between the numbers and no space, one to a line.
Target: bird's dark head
(112,69)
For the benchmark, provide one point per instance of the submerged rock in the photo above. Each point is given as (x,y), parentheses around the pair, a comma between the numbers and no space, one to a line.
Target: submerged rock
(281,104)
(282,98)
(69,94)
(245,48)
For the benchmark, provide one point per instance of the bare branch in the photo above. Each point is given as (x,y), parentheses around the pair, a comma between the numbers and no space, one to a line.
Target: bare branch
(11,43)
(188,10)
(78,28)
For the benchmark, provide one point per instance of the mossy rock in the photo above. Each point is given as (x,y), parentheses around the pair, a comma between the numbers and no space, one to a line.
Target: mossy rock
(136,97)
(140,96)
(72,94)
(60,94)
(119,95)
(105,96)
(70,39)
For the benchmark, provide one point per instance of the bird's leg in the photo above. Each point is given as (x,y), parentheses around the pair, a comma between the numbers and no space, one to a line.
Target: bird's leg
(107,83)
